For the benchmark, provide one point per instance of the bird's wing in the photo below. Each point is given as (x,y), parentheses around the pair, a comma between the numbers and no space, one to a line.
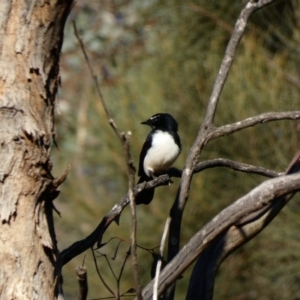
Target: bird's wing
(144,151)
(176,138)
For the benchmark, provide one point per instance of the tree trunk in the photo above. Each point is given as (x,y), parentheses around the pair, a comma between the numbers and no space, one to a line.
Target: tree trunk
(31,35)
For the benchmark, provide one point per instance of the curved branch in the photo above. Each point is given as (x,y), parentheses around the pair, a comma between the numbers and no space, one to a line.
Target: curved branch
(201,139)
(252,121)
(113,215)
(231,164)
(270,191)
(234,165)
(80,246)
(202,280)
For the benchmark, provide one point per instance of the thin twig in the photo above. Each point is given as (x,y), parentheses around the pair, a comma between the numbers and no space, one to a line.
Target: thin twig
(122,269)
(109,265)
(210,15)
(100,276)
(124,139)
(95,78)
(134,261)
(161,254)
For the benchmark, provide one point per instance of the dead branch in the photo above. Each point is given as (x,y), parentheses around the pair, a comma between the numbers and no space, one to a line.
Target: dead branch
(206,127)
(161,254)
(202,281)
(124,139)
(96,236)
(270,191)
(82,282)
(262,118)
(231,164)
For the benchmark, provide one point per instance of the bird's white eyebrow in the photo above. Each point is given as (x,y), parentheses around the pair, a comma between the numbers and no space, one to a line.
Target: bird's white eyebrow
(154,117)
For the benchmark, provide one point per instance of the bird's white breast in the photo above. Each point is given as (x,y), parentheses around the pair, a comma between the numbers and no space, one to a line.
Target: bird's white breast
(162,153)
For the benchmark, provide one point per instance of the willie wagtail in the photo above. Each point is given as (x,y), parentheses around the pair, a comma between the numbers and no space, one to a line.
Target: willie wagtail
(159,152)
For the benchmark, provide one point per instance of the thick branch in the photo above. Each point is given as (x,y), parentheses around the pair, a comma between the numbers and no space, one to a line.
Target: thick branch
(202,281)
(82,282)
(201,139)
(266,193)
(201,285)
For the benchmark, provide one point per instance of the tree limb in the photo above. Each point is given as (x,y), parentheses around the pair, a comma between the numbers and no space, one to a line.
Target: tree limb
(124,139)
(231,164)
(206,127)
(161,254)
(252,121)
(80,246)
(202,280)
(270,191)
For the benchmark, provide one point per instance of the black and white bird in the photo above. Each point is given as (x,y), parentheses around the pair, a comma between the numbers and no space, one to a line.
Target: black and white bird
(159,152)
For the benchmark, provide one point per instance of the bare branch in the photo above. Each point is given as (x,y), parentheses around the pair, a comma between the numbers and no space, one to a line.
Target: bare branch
(124,139)
(213,17)
(200,141)
(100,275)
(82,282)
(96,236)
(134,261)
(207,126)
(161,254)
(268,192)
(234,165)
(262,118)
(201,283)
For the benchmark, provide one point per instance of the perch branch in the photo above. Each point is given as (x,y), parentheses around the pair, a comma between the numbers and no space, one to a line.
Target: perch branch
(96,236)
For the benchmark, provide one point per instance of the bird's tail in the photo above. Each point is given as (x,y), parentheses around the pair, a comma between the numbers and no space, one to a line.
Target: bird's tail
(145,196)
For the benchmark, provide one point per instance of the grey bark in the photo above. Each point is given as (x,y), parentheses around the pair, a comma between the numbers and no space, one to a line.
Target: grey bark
(31,34)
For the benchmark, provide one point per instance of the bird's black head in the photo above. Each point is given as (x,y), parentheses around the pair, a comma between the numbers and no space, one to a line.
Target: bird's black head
(162,121)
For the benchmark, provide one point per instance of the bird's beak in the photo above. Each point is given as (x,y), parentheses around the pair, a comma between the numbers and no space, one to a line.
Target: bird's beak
(146,122)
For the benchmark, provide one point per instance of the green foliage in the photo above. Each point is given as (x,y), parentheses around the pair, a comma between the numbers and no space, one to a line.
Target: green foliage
(164,57)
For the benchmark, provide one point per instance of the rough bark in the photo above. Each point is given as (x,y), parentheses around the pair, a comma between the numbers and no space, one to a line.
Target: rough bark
(31,34)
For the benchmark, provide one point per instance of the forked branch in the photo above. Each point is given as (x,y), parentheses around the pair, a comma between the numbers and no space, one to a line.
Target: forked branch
(273,194)
(207,128)
(80,246)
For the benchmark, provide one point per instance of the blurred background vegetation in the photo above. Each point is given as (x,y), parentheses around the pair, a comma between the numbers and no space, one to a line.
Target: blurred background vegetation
(163,56)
